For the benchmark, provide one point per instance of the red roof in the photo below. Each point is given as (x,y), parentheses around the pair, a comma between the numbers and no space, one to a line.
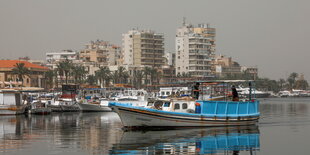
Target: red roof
(12,64)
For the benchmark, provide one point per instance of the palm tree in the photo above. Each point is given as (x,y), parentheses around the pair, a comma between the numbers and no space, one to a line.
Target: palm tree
(155,76)
(146,72)
(292,79)
(137,78)
(91,79)
(103,75)
(281,83)
(21,71)
(79,73)
(65,67)
(49,76)
(123,74)
(115,77)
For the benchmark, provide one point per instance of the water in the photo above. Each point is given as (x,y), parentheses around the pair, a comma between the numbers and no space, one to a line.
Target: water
(283,129)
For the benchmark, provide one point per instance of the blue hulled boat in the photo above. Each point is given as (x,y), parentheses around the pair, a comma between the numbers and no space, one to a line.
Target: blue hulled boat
(185,112)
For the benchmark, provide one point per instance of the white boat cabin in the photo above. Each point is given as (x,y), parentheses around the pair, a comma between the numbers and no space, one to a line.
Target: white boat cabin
(10,97)
(177,105)
(173,91)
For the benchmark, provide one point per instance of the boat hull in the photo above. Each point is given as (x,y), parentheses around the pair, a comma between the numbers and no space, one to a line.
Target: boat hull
(86,107)
(12,109)
(64,108)
(40,111)
(132,117)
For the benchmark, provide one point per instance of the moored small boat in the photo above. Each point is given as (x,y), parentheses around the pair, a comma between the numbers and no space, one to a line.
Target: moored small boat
(93,107)
(39,108)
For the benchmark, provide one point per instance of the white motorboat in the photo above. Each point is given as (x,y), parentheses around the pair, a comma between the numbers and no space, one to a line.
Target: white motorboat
(93,106)
(92,102)
(245,92)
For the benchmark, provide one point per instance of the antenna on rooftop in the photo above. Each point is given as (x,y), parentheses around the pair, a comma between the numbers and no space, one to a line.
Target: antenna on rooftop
(184,21)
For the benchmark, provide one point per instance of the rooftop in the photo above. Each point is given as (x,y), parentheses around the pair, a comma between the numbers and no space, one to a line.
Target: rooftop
(12,64)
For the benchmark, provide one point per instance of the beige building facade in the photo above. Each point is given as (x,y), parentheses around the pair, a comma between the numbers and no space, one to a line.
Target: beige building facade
(101,52)
(35,78)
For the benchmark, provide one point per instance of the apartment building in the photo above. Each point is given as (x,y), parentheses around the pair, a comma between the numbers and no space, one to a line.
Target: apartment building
(195,48)
(143,48)
(101,52)
(54,58)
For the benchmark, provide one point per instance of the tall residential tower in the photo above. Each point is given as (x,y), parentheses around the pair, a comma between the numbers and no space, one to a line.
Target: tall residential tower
(143,48)
(195,48)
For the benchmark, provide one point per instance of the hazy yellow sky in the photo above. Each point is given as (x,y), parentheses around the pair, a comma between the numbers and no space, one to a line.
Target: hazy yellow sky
(273,35)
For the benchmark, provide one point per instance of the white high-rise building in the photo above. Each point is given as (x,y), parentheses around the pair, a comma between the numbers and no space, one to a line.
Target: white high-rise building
(195,48)
(143,48)
(54,58)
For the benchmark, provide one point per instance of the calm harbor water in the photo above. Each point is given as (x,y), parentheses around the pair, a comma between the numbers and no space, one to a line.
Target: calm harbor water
(283,129)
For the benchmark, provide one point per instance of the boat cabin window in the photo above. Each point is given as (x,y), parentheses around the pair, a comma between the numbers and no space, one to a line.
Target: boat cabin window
(150,103)
(167,104)
(163,93)
(184,106)
(158,104)
(176,106)
(168,93)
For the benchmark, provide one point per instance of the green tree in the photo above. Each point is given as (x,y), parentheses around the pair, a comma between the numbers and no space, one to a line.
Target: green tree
(91,79)
(301,84)
(122,74)
(49,76)
(155,76)
(21,71)
(64,68)
(79,73)
(147,71)
(292,79)
(103,75)
(137,78)
(115,77)
(281,83)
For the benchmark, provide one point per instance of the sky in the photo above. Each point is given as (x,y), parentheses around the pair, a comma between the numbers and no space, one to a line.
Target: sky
(273,35)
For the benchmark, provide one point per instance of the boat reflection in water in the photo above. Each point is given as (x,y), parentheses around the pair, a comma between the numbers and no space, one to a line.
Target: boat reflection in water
(101,133)
(227,140)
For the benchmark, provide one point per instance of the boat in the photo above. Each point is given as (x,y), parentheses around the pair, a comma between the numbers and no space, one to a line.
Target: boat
(67,101)
(213,140)
(189,113)
(245,92)
(39,108)
(99,103)
(11,102)
(93,106)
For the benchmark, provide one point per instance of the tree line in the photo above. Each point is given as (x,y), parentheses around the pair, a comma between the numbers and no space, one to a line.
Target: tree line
(68,72)
(104,77)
